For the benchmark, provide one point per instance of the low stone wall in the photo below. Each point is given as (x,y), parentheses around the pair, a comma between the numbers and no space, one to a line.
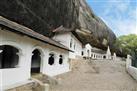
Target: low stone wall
(130,69)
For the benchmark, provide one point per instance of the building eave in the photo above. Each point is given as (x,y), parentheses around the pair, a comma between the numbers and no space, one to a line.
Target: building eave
(17,28)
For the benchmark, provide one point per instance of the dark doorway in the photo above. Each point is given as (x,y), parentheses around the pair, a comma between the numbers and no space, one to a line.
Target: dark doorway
(35,61)
(91,55)
(88,53)
(82,53)
(8,57)
(104,57)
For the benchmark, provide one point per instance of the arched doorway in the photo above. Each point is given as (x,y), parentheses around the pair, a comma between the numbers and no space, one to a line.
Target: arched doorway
(8,57)
(104,57)
(88,53)
(36,62)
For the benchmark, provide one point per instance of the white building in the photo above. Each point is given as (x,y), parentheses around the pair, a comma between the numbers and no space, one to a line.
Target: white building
(100,54)
(68,39)
(95,53)
(90,52)
(24,52)
(87,51)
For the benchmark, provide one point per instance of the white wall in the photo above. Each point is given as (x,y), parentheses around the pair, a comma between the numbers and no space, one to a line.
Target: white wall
(56,68)
(0,80)
(78,46)
(87,47)
(130,69)
(65,39)
(26,46)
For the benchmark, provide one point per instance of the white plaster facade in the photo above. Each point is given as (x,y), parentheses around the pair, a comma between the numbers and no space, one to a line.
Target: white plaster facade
(26,45)
(96,53)
(108,54)
(69,40)
(97,56)
(130,69)
(87,50)
(89,53)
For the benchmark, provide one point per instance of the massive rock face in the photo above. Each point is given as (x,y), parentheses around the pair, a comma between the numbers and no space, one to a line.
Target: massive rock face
(100,35)
(45,15)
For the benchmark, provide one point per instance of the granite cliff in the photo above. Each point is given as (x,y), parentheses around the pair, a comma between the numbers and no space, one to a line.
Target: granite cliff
(43,16)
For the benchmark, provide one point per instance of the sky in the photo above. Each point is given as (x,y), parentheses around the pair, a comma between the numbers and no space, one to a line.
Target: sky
(119,15)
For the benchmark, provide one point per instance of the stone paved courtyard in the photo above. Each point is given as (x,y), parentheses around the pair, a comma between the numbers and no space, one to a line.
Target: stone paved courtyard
(96,76)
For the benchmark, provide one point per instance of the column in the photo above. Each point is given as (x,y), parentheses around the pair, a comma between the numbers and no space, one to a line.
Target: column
(128,61)
(1,58)
(1,51)
(56,59)
(42,63)
(45,61)
(101,56)
(93,56)
(21,57)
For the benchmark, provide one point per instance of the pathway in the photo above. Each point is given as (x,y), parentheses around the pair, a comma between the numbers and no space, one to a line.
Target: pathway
(96,76)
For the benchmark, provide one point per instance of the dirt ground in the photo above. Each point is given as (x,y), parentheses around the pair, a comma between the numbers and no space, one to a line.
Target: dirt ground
(96,76)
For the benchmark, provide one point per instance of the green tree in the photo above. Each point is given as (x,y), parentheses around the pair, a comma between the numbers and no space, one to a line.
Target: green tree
(128,45)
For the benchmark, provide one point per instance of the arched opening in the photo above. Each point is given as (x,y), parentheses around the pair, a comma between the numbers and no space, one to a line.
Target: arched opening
(91,55)
(51,59)
(104,57)
(60,59)
(8,57)
(35,61)
(82,53)
(94,55)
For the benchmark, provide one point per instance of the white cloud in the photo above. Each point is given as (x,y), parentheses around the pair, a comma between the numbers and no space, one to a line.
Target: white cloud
(126,26)
(121,17)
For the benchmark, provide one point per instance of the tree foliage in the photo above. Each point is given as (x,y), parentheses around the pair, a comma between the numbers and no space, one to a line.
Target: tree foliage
(128,45)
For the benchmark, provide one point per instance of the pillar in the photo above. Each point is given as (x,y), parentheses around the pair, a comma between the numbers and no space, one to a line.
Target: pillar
(92,55)
(128,61)
(1,51)
(21,56)
(42,63)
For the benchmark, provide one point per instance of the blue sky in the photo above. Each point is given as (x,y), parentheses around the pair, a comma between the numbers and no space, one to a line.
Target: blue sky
(119,15)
